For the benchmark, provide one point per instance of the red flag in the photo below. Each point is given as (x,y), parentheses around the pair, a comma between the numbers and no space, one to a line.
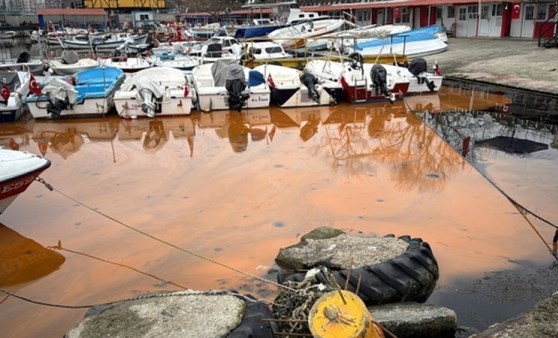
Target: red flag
(516,10)
(397,13)
(5,93)
(34,86)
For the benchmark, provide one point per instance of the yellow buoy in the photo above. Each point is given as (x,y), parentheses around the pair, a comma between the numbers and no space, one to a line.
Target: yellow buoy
(342,314)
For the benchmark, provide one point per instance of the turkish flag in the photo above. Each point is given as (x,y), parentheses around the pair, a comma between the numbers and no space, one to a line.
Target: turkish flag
(34,86)
(397,13)
(516,10)
(4,93)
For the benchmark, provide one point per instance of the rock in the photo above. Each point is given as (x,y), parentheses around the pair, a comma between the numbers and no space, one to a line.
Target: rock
(176,314)
(335,249)
(415,320)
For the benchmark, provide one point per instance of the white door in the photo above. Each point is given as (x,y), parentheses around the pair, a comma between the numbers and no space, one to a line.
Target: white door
(484,22)
(472,23)
(528,24)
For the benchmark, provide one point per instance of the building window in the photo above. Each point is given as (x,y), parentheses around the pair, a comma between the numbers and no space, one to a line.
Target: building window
(462,14)
(405,15)
(451,12)
(389,15)
(497,10)
(473,11)
(529,12)
(438,12)
(542,12)
(484,12)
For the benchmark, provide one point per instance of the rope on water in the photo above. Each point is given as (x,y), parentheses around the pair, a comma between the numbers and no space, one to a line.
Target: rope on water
(49,186)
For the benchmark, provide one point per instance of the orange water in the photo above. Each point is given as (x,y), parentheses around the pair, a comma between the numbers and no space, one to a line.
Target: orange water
(133,200)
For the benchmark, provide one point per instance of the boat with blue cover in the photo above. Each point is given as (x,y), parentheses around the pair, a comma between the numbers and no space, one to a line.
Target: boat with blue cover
(87,93)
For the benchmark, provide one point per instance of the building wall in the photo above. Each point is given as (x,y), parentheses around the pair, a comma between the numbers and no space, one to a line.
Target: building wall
(122,4)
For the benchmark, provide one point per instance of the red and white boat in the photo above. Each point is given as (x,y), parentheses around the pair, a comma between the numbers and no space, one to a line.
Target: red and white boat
(18,170)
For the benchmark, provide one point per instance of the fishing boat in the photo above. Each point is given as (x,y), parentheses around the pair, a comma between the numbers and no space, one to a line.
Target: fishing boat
(87,93)
(99,42)
(293,88)
(126,63)
(24,62)
(209,82)
(160,91)
(18,170)
(414,43)
(14,87)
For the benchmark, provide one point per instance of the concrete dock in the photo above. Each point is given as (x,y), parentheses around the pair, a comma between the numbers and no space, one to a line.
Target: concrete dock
(510,62)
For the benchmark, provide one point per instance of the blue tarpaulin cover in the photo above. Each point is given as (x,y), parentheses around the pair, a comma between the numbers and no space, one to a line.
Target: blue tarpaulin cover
(255,78)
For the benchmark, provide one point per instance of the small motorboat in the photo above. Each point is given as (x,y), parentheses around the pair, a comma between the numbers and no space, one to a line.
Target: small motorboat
(18,170)
(87,93)
(14,87)
(126,63)
(160,91)
(70,63)
(294,88)
(295,36)
(96,43)
(210,84)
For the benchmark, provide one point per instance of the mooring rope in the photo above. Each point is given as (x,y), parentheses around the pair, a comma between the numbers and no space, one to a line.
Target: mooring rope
(202,257)
(521,208)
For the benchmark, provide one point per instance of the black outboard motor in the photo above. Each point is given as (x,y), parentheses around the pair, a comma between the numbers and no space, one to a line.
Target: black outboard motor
(235,85)
(418,66)
(56,107)
(23,57)
(378,74)
(310,81)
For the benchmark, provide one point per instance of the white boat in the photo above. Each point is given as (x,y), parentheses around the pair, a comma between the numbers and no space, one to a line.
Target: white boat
(184,63)
(24,62)
(209,82)
(70,63)
(295,36)
(160,91)
(94,43)
(87,93)
(18,170)
(293,88)
(14,85)
(126,63)
(8,35)
(266,50)
(362,82)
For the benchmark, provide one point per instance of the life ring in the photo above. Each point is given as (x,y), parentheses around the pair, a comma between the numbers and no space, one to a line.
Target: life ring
(409,277)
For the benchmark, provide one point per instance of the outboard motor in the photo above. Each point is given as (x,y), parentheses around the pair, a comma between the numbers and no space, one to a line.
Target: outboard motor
(378,74)
(235,85)
(61,96)
(23,57)
(419,69)
(311,82)
(148,95)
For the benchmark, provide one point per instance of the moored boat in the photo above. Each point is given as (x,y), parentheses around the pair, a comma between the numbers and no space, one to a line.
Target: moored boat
(159,91)
(87,93)
(14,87)
(18,170)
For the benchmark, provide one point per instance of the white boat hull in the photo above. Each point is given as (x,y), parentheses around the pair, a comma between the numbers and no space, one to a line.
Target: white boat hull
(89,107)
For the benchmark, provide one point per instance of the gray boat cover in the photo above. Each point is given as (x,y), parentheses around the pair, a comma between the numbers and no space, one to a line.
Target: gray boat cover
(69,57)
(226,69)
(11,79)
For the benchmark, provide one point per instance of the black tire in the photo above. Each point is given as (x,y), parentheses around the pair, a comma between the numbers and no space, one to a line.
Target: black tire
(409,277)
(253,323)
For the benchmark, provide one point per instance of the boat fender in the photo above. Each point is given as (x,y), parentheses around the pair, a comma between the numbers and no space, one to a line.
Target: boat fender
(378,74)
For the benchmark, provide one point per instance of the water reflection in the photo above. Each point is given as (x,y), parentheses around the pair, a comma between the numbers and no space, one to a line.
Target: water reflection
(22,260)
(66,137)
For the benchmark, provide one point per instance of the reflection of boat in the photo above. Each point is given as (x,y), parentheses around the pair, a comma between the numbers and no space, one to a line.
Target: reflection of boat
(23,260)
(154,133)
(65,137)
(90,93)
(18,170)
